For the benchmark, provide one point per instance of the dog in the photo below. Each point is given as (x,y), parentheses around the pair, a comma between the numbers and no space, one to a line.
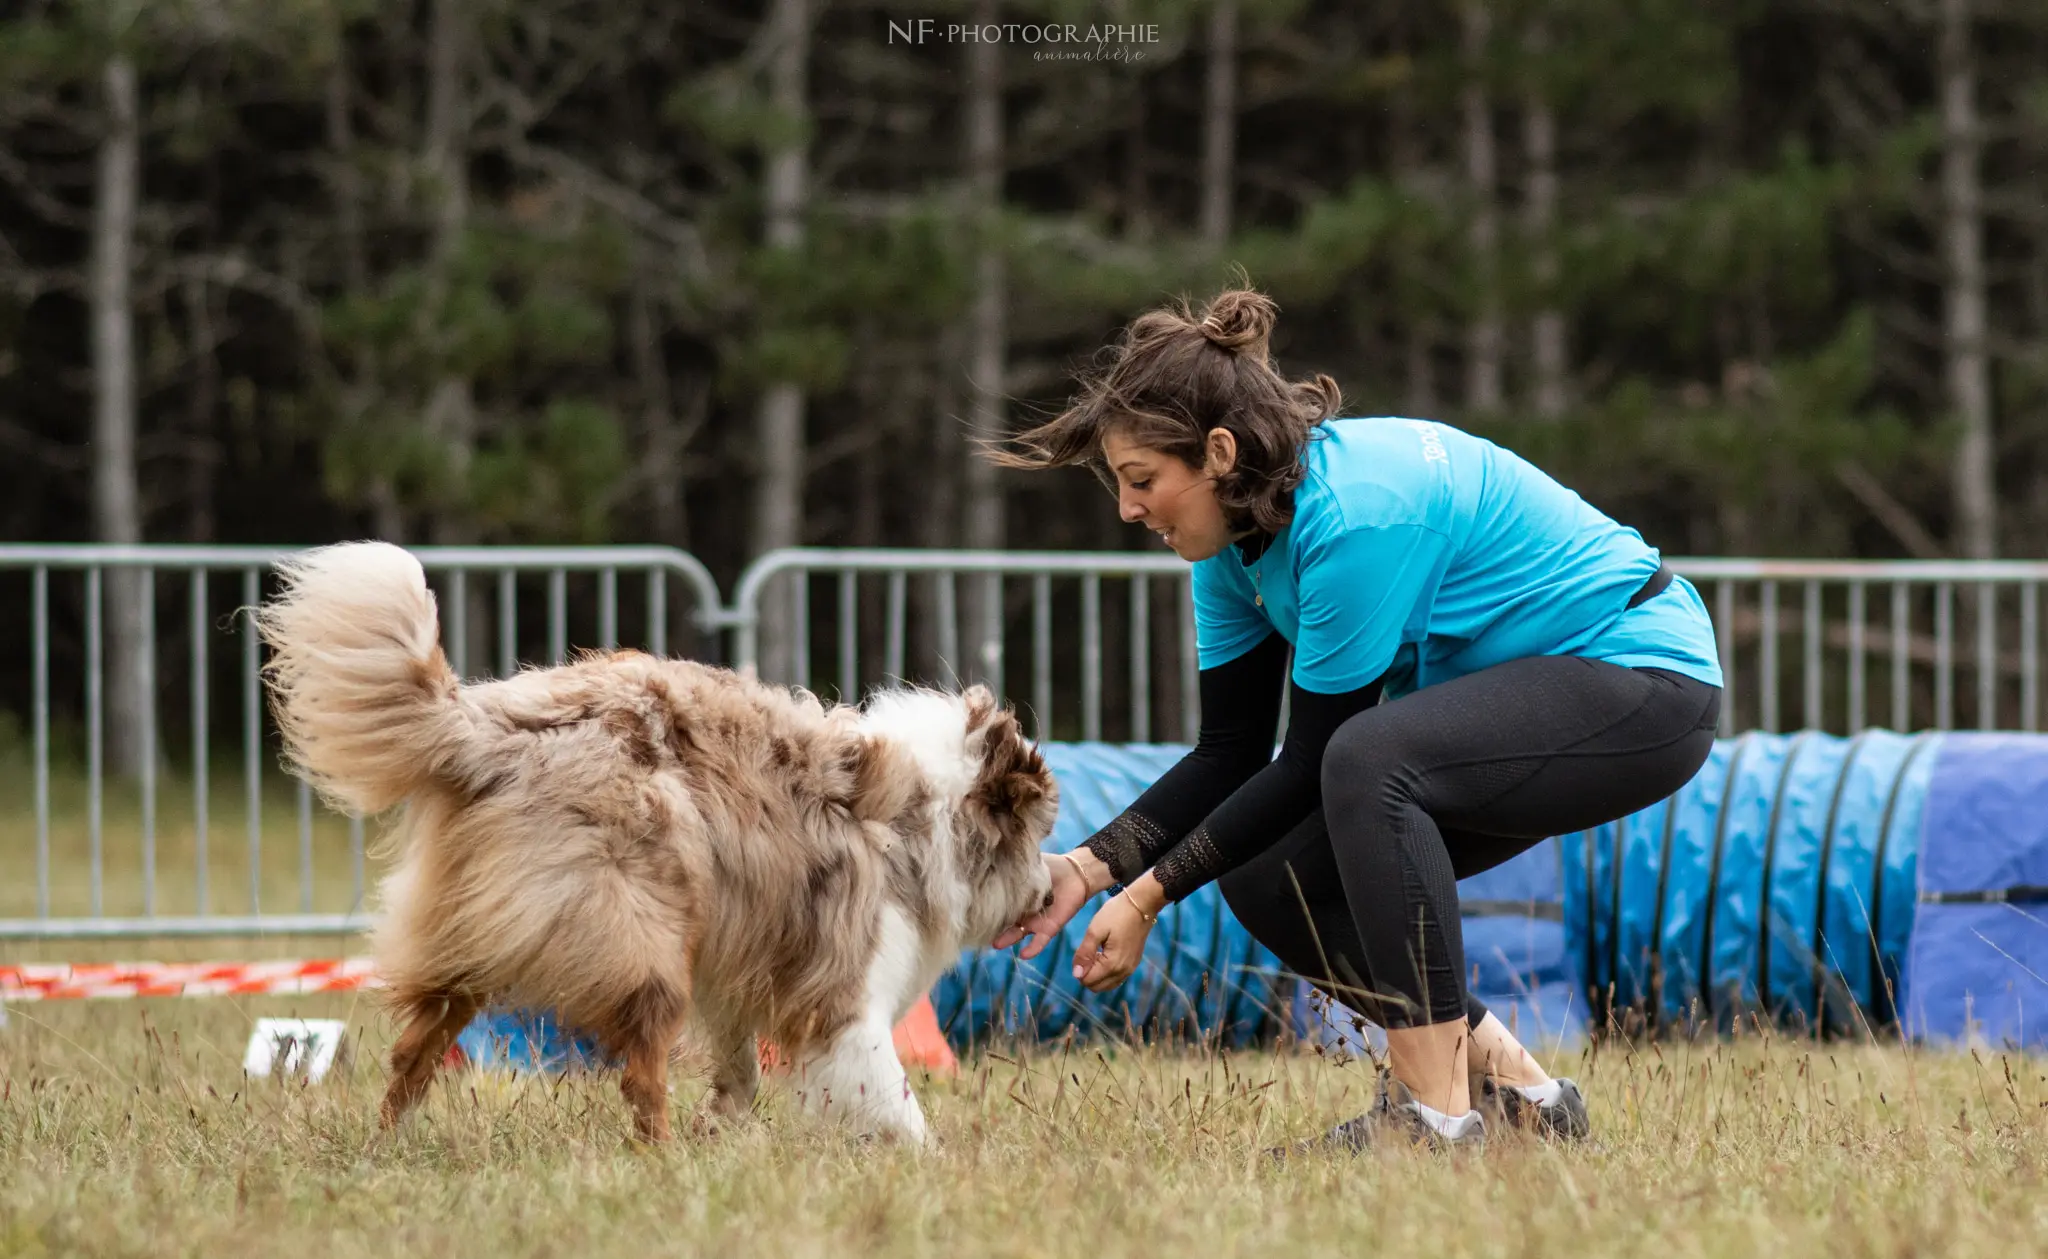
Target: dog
(655,847)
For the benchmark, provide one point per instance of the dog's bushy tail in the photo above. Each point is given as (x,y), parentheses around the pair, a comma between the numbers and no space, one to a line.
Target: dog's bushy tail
(367,703)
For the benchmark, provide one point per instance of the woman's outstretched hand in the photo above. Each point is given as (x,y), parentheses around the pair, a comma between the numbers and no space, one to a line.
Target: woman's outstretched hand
(1071,888)
(1115,942)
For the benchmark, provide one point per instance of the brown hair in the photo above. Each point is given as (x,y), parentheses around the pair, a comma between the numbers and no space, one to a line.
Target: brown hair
(1171,378)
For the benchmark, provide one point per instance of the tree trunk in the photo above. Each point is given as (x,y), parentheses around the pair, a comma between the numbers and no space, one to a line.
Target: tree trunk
(941,515)
(779,416)
(663,434)
(387,514)
(1419,367)
(1484,337)
(116,494)
(877,391)
(1962,238)
(881,392)
(348,191)
(451,411)
(1417,327)
(1539,143)
(202,400)
(1137,201)
(1219,124)
(982,522)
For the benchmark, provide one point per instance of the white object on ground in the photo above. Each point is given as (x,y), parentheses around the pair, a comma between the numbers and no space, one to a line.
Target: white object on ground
(293,1047)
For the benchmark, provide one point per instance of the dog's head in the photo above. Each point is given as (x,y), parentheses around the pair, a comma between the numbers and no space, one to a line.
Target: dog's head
(1006,815)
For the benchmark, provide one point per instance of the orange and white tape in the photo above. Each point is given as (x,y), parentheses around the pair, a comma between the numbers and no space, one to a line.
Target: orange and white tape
(60,982)
(918,1039)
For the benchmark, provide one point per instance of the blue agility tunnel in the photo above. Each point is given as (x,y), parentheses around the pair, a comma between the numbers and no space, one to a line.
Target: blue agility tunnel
(1778,884)
(1976,966)
(1203,974)
(1205,977)
(1880,884)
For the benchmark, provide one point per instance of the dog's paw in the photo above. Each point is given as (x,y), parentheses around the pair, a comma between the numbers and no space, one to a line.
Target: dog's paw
(908,1132)
(710,1124)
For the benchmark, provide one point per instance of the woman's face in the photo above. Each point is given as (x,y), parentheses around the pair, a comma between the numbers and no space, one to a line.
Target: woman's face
(1170,498)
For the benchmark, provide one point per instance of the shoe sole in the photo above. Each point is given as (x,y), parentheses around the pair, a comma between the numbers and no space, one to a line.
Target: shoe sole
(1564,1120)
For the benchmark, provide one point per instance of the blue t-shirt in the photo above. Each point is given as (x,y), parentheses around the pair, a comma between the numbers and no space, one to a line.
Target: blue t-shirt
(1424,553)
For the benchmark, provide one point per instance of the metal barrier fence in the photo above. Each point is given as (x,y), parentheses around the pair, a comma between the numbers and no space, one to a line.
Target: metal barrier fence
(1094,645)
(1013,596)
(1878,643)
(211,648)
(1830,645)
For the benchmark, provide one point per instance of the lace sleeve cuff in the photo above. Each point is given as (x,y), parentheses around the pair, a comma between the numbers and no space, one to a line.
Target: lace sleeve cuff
(1128,844)
(1193,862)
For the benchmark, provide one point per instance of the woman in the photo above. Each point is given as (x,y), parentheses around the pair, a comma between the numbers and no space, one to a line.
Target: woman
(1480,660)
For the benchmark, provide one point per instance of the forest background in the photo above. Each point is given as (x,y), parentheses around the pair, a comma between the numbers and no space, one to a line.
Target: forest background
(1759,277)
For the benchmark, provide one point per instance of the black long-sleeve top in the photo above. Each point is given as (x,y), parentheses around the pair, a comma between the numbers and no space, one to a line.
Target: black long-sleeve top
(1230,798)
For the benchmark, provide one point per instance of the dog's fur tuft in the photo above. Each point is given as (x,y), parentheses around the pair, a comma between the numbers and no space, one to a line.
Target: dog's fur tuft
(642,844)
(344,672)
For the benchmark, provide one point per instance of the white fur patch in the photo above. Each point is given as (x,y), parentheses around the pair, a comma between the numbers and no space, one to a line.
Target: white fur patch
(858,1079)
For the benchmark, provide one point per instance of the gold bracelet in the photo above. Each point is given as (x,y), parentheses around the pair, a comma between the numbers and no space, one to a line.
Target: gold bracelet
(1149,918)
(1074,862)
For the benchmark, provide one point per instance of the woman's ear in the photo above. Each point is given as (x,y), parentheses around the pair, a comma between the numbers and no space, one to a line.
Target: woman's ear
(1219,452)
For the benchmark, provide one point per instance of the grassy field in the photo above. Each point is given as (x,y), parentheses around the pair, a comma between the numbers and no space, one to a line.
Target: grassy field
(128,1128)
(303,859)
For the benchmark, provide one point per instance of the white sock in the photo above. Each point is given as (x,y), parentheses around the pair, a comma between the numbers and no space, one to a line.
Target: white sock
(1444,1124)
(1542,1094)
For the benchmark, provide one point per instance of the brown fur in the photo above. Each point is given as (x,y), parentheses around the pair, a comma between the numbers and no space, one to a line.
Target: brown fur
(631,842)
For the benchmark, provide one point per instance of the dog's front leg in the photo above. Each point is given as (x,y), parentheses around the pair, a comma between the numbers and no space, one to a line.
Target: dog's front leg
(735,1077)
(859,1081)
(433,1021)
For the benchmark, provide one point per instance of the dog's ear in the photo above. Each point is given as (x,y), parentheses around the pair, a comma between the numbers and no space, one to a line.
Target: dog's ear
(982,708)
(886,784)
(1013,776)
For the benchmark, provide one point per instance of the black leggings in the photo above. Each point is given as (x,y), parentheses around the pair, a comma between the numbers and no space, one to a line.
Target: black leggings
(1453,779)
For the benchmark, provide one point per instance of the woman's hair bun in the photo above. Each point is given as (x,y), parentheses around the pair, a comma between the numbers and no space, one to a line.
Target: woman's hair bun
(1240,320)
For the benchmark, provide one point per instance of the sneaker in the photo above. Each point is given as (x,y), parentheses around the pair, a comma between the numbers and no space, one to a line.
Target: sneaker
(1562,1116)
(1396,1118)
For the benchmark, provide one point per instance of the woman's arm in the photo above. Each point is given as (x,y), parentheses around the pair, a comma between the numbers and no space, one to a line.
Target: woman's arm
(1360,588)
(1240,712)
(1269,804)
(1240,709)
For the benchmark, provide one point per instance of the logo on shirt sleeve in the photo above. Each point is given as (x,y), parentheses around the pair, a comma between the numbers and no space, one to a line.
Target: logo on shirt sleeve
(1432,444)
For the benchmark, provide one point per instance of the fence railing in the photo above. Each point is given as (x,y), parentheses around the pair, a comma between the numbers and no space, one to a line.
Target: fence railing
(141,681)
(174,661)
(1842,645)
(856,610)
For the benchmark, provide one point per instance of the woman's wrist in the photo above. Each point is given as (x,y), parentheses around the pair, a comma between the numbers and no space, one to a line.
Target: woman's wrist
(1127,845)
(1146,893)
(1094,871)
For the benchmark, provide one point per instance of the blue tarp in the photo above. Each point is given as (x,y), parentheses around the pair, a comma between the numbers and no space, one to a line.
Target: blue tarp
(1978,965)
(1518,956)
(527,1040)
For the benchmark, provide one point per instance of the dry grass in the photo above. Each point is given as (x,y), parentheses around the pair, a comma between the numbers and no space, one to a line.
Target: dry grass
(128,1128)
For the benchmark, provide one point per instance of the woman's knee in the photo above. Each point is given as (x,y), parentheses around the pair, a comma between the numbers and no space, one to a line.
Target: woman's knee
(1253,898)
(1365,761)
